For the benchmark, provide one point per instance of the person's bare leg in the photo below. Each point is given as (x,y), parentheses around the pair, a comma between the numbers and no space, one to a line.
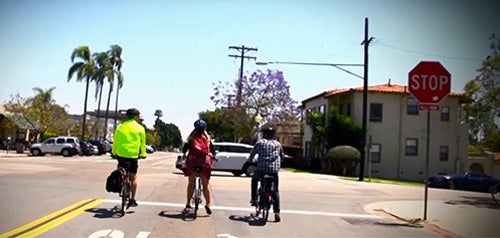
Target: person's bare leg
(206,194)
(133,178)
(190,190)
(206,190)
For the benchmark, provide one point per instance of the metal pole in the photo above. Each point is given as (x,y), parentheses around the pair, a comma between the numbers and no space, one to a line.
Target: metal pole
(426,193)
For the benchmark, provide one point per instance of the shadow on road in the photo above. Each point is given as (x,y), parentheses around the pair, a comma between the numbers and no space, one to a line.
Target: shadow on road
(480,202)
(217,174)
(251,220)
(106,212)
(182,215)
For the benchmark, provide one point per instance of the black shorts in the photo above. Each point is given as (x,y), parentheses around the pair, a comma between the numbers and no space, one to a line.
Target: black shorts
(130,165)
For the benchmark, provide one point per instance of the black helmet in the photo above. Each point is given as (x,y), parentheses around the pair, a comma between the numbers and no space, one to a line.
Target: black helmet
(132,112)
(267,132)
(200,125)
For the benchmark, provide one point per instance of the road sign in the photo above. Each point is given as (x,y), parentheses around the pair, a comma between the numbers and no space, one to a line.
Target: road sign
(429,82)
(428,107)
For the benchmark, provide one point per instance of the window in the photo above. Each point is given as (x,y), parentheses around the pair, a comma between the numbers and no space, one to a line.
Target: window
(445,113)
(348,109)
(375,153)
(322,108)
(412,106)
(341,109)
(60,141)
(376,112)
(308,149)
(50,141)
(443,153)
(239,149)
(411,146)
(308,111)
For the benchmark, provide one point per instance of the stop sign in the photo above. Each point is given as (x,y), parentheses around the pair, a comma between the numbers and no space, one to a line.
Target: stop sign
(429,82)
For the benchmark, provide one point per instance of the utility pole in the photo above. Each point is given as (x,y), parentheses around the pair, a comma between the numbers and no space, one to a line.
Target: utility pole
(365,43)
(242,49)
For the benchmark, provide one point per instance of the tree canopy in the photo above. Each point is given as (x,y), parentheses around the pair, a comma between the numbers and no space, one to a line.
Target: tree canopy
(483,100)
(264,93)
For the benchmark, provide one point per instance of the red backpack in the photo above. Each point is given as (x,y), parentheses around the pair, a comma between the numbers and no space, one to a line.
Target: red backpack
(199,147)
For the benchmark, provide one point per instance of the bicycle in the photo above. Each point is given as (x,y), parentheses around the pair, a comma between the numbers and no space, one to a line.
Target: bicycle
(495,193)
(197,190)
(126,188)
(125,192)
(265,191)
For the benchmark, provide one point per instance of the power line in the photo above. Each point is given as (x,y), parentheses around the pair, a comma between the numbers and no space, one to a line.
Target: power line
(426,53)
(242,50)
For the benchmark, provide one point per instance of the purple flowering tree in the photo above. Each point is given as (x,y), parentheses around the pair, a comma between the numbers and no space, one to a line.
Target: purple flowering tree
(263,92)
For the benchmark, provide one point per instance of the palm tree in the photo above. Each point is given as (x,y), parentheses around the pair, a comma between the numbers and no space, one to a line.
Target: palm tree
(84,69)
(104,69)
(115,54)
(158,114)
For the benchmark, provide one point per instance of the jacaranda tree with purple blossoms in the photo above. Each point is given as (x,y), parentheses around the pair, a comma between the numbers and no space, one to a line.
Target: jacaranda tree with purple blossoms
(263,92)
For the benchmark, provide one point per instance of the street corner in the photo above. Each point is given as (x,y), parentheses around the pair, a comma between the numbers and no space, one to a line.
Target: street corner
(402,210)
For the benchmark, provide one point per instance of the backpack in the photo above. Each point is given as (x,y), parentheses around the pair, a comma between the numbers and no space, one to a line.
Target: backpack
(199,147)
(114,182)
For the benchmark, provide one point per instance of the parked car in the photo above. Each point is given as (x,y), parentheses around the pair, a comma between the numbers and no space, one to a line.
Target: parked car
(102,146)
(87,149)
(470,181)
(150,149)
(231,157)
(65,145)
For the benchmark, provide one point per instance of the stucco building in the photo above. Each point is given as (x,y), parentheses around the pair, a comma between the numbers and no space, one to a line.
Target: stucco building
(397,130)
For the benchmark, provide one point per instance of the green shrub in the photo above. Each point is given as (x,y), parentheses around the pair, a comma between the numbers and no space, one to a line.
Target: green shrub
(342,159)
(343,152)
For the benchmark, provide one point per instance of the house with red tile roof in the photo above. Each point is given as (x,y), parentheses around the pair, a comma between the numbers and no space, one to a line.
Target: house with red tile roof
(397,130)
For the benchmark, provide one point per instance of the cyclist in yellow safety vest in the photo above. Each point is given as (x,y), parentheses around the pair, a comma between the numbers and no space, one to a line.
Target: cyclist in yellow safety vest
(129,144)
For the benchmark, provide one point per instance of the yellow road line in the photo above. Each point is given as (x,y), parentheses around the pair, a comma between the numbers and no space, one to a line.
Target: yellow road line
(52,220)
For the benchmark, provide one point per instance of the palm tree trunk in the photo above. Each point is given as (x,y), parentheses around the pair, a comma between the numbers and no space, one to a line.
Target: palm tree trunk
(98,113)
(107,111)
(85,107)
(116,106)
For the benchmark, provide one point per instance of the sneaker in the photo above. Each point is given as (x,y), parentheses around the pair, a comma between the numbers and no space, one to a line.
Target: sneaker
(208,210)
(253,203)
(277,217)
(187,208)
(133,203)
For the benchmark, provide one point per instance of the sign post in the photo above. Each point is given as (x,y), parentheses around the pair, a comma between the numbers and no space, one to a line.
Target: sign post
(429,82)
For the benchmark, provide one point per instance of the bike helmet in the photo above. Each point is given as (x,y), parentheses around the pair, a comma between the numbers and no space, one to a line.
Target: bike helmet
(267,132)
(133,112)
(200,125)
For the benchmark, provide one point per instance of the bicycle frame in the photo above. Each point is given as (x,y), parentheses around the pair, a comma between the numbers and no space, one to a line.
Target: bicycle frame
(125,192)
(495,193)
(266,190)
(197,191)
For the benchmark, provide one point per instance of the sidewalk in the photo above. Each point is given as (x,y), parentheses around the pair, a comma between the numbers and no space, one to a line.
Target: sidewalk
(13,153)
(450,220)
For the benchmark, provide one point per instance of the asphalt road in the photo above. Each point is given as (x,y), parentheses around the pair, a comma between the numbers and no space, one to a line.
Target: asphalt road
(53,196)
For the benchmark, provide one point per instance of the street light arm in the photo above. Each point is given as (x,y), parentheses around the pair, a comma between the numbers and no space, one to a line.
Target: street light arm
(349,72)
(338,66)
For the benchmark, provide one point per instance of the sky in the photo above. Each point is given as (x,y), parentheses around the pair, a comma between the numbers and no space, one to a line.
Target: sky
(174,51)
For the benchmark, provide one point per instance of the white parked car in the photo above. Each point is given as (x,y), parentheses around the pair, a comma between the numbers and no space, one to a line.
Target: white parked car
(231,157)
(65,145)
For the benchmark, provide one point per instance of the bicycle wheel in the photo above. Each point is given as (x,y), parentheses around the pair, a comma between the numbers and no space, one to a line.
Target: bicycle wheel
(197,195)
(125,193)
(495,193)
(264,207)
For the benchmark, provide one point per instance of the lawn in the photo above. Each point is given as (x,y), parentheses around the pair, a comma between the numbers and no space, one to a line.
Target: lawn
(366,179)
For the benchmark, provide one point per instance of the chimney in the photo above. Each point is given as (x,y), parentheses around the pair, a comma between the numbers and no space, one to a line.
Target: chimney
(389,83)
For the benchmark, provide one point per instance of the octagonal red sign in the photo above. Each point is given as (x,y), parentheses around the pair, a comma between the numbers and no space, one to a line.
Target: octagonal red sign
(429,82)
